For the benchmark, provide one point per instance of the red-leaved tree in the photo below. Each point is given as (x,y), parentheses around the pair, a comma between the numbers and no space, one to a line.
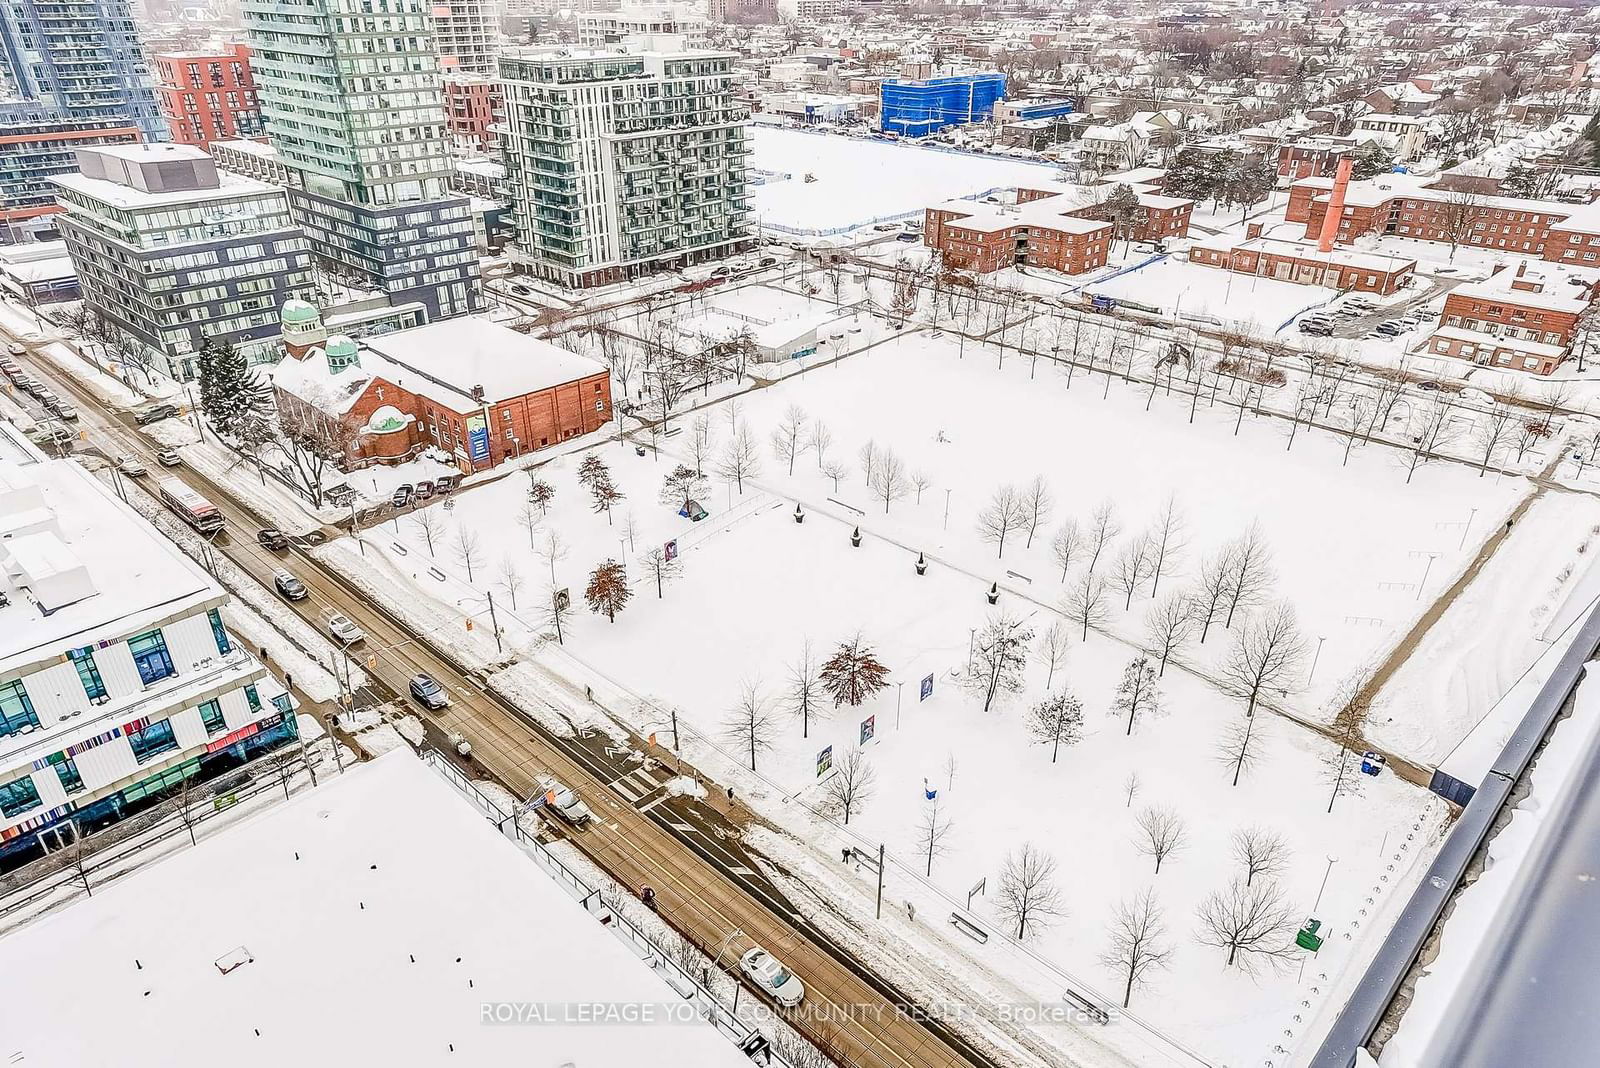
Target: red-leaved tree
(608,589)
(853,673)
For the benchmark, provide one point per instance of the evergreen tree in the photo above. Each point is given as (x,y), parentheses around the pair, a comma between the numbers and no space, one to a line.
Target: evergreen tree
(237,403)
(1371,160)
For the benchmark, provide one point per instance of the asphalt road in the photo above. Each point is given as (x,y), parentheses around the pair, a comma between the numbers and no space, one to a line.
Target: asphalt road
(686,850)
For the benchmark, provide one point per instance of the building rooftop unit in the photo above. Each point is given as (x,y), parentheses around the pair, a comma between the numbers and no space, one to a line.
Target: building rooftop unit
(79,564)
(160,175)
(336,939)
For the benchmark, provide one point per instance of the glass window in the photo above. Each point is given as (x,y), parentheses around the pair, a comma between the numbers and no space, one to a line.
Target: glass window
(150,656)
(219,632)
(16,711)
(283,703)
(152,739)
(67,772)
(253,697)
(88,674)
(211,716)
(18,796)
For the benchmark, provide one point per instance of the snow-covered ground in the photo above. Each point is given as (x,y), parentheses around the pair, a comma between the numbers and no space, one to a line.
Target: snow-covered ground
(1212,296)
(1351,544)
(859,181)
(367,921)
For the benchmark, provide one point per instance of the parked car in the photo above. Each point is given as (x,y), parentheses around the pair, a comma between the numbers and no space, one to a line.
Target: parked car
(444,483)
(63,410)
(768,973)
(154,414)
(48,432)
(885,227)
(341,627)
(563,802)
(424,489)
(290,587)
(16,349)
(10,368)
(402,495)
(1390,328)
(767,261)
(906,236)
(132,468)
(428,693)
(169,458)
(1317,329)
(272,538)
(519,289)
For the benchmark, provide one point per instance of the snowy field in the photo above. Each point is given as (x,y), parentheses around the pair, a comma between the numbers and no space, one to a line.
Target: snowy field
(1350,545)
(861,181)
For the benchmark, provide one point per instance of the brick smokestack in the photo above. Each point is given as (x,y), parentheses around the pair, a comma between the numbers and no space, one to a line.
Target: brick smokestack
(1330,221)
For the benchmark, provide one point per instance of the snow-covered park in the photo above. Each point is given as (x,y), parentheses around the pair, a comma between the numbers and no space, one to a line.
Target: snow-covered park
(1352,548)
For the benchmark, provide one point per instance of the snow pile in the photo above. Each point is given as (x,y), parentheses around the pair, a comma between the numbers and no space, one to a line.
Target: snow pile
(684,786)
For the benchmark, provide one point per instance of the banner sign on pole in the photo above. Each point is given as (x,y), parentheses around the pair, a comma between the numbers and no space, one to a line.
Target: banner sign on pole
(867,726)
(824,760)
(927,688)
(670,549)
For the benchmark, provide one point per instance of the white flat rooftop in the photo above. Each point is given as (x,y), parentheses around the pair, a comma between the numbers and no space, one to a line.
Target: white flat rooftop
(139,576)
(231,186)
(365,922)
(471,351)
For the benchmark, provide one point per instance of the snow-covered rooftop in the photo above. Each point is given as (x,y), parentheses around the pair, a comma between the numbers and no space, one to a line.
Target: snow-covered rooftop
(99,568)
(369,921)
(444,360)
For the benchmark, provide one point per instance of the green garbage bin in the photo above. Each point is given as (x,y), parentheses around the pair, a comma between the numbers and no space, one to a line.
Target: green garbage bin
(1307,938)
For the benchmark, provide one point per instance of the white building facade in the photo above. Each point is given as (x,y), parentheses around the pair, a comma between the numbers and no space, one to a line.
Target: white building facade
(118,678)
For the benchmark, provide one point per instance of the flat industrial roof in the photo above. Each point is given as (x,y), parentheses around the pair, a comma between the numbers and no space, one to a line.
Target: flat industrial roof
(369,920)
(472,351)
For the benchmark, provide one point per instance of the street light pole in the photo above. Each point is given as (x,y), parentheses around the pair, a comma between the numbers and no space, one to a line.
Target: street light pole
(1466,528)
(1332,860)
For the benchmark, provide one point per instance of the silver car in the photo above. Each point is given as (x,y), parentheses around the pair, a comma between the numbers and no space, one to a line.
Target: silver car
(768,973)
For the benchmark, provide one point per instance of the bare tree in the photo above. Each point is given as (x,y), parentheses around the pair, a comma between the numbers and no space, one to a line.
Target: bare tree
(741,459)
(530,516)
(1161,833)
(1252,923)
(920,482)
(1000,655)
(1215,582)
(1265,657)
(1056,720)
(1103,527)
(888,479)
(1433,429)
(949,769)
(1340,766)
(786,437)
(187,802)
(701,442)
(819,440)
(1132,566)
(932,829)
(1137,693)
(1037,503)
(1130,789)
(1085,603)
(605,494)
(805,690)
(552,550)
(1028,893)
(1065,544)
(1137,943)
(1259,852)
(430,524)
(751,724)
(656,564)
(554,610)
(466,549)
(835,469)
(1167,626)
(1456,214)
(1250,571)
(850,786)
(868,455)
(1166,540)
(1005,514)
(540,494)
(510,579)
(1236,749)
(1053,648)
(78,855)
(1494,430)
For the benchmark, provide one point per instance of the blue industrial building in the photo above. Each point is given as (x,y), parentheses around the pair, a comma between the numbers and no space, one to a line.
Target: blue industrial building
(919,108)
(1024,110)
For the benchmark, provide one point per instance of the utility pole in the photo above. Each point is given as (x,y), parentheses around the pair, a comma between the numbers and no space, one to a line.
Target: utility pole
(498,647)
(880,882)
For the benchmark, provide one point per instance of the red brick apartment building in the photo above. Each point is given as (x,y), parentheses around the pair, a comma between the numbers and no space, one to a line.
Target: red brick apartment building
(208,96)
(480,391)
(1515,319)
(1301,262)
(471,107)
(1563,233)
(1043,228)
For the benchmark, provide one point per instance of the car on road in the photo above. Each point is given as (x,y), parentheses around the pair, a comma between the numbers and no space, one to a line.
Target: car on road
(16,350)
(62,410)
(272,538)
(290,587)
(1317,329)
(428,693)
(769,974)
(1428,387)
(341,627)
(767,261)
(906,235)
(565,803)
(519,289)
(48,432)
(169,458)
(154,414)
(1390,328)
(132,467)
(402,495)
